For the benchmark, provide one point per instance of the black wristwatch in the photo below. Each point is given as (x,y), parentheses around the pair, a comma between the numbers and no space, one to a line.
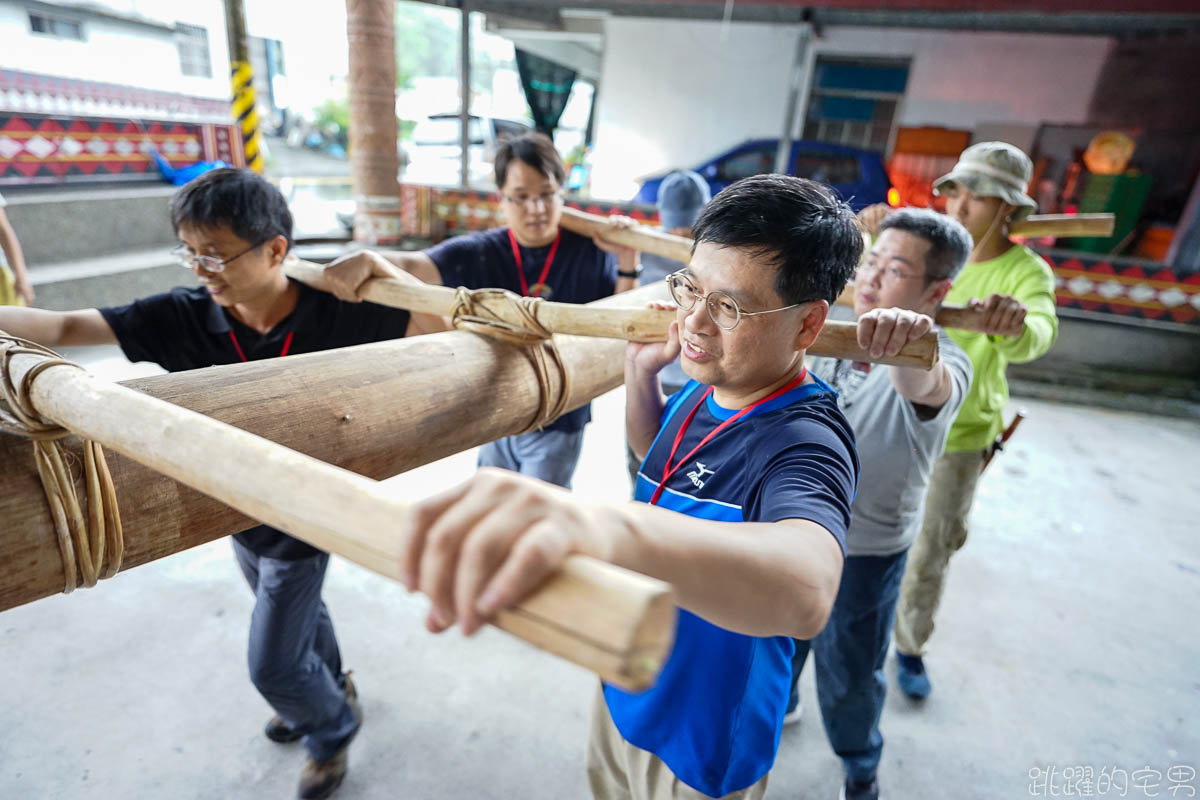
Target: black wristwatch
(637,272)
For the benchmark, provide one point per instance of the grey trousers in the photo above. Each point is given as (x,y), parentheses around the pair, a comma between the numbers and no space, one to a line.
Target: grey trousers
(293,655)
(550,456)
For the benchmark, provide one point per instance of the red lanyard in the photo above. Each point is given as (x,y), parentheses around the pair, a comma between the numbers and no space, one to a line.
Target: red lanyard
(287,345)
(668,470)
(516,250)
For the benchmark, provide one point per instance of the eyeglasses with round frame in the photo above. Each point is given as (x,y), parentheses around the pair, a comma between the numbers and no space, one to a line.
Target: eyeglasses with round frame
(547,199)
(190,260)
(723,310)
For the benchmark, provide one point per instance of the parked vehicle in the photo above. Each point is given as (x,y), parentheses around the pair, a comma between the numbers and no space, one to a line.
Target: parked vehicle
(432,155)
(857,175)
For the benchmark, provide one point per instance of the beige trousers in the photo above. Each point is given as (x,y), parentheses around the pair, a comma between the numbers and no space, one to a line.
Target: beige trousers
(944,531)
(617,770)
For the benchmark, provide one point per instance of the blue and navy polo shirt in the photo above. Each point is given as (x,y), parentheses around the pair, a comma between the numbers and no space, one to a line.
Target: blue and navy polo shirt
(185,329)
(580,273)
(716,713)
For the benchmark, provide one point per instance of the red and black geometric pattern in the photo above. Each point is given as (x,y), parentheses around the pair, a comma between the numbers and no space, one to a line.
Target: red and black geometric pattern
(1143,290)
(38,148)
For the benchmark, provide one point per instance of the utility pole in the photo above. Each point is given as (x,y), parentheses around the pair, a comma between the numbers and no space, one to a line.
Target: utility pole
(242,78)
(371,30)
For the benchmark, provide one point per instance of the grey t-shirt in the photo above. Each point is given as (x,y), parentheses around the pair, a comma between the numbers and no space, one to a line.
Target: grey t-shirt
(895,447)
(655,268)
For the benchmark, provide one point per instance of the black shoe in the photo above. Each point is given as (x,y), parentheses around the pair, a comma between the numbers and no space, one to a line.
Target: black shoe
(856,790)
(279,731)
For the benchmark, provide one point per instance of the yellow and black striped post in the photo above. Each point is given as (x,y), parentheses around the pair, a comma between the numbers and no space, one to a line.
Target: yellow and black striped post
(241,75)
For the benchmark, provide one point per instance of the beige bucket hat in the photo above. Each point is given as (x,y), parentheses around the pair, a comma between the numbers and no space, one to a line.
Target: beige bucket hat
(993,169)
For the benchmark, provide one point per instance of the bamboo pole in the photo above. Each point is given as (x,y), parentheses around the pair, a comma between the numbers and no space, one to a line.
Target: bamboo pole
(1038,225)
(642,238)
(339,405)
(836,339)
(679,248)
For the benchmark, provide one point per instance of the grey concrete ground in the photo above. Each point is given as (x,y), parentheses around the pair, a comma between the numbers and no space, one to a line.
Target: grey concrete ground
(1063,643)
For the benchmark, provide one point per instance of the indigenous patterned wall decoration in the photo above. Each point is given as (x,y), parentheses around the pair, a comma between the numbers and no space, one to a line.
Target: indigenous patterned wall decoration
(59,130)
(1124,287)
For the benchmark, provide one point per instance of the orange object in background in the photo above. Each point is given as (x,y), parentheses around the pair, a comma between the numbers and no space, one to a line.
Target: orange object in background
(1154,243)
(893,197)
(919,157)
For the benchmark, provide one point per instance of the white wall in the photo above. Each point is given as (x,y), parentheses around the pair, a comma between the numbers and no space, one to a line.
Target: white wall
(118,52)
(959,79)
(675,93)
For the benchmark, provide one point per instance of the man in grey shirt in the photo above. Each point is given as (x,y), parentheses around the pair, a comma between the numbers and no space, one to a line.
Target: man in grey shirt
(901,417)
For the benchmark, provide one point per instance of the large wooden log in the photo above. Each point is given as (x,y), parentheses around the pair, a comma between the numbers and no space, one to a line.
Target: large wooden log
(639,324)
(376,409)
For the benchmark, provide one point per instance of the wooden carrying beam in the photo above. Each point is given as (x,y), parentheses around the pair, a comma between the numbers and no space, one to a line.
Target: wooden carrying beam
(641,237)
(836,339)
(1037,225)
(679,248)
(378,409)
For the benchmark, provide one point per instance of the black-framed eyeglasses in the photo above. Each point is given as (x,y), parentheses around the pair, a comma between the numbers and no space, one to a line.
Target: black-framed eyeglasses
(723,310)
(190,260)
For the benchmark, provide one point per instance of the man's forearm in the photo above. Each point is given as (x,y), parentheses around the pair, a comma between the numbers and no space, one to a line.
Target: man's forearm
(926,387)
(644,404)
(34,324)
(759,579)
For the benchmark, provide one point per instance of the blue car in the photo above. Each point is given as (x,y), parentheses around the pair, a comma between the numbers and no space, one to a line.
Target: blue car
(857,175)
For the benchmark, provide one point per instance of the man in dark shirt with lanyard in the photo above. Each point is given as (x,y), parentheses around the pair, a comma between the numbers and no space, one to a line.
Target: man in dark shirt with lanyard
(532,256)
(753,469)
(236,230)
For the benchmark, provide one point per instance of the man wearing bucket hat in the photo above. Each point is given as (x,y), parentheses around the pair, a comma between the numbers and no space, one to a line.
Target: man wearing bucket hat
(1014,288)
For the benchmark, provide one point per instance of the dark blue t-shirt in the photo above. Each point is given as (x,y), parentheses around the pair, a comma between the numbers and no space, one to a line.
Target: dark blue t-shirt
(184,329)
(580,273)
(716,713)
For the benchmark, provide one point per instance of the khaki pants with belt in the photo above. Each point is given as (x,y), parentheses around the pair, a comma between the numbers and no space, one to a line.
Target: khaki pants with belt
(619,771)
(944,532)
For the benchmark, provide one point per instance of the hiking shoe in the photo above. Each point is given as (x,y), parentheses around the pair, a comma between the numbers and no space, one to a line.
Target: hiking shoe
(278,730)
(320,779)
(859,790)
(910,674)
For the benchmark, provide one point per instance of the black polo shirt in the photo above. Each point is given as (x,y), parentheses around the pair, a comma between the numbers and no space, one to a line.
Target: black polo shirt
(580,273)
(184,329)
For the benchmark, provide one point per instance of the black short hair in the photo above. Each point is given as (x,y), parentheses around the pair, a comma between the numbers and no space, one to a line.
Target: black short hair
(238,199)
(536,150)
(949,242)
(800,225)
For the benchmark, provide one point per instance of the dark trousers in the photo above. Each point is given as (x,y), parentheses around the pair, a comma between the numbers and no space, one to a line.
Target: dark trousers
(849,654)
(293,655)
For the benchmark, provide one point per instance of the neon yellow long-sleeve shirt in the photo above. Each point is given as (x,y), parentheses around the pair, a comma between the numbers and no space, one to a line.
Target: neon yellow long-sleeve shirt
(1024,275)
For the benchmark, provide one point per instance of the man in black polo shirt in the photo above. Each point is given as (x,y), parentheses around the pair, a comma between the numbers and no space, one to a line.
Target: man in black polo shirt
(532,256)
(236,230)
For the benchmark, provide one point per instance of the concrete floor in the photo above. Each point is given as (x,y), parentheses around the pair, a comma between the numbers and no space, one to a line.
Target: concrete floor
(1062,643)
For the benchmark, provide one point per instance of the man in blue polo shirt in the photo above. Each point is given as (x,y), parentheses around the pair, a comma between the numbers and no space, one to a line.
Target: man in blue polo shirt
(742,502)
(236,230)
(532,256)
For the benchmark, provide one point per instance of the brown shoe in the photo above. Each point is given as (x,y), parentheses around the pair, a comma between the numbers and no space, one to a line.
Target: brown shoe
(321,778)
